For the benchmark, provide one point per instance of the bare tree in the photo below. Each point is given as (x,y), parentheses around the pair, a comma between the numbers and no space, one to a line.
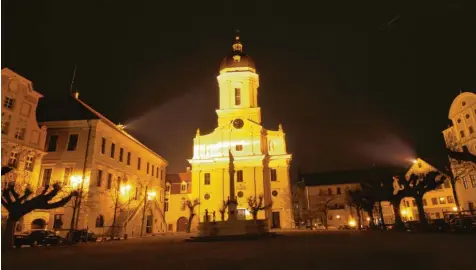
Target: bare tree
(320,206)
(461,164)
(256,204)
(19,201)
(191,213)
(417,186)
(222,210)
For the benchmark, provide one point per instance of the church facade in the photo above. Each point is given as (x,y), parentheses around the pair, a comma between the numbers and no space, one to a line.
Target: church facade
(260,159)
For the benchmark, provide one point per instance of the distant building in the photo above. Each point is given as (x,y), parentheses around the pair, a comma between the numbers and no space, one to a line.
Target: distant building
(436,202)
(326,198)
(261,160)
(178,189)
(462,132)
(22,139)
(85,149)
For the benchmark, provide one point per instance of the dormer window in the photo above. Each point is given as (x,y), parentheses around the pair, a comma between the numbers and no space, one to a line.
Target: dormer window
(167,188)
(183,187)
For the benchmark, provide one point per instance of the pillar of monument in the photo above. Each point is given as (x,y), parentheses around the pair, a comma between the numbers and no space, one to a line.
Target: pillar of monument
(232,202)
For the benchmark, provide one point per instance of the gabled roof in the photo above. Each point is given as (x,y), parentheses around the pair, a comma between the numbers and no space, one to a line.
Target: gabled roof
(349,176)
(178,178)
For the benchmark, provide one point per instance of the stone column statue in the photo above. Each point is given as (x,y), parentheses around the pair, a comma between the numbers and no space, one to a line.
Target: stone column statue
(232,202)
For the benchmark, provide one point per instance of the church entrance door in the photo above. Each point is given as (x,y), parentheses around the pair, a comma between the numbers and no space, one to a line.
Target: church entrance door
(276,220)
(182,224)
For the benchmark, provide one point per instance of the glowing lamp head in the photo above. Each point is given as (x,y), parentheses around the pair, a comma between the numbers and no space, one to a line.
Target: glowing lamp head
(414,161)
(151,195)
(368,219)
(338,216)
(352,223)
(403,212)
(442,199)
(75,181)
(125,189)
(455,208)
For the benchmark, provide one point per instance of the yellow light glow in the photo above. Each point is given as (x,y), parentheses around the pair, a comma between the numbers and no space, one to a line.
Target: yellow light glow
(368,219)
(151,195)
(455,208)
(75,181)
(442,198)
(125,189)
(403,212)
(352,223)
(414,161)
(338,216)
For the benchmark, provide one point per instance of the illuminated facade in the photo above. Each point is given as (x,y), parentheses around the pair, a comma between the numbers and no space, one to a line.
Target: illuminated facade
(22,138)
(260,157)
(461,133)
(435,202)
(178,189)
(86,149)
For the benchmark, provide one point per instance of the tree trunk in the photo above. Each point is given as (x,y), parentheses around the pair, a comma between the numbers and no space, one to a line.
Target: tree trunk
(382,221)
(398,219)
(8,233)
(325,220)
(359,218)
(189,225)
(455,194)
(421,211)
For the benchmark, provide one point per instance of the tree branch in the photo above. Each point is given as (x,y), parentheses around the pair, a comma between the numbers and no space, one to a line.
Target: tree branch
(59,203)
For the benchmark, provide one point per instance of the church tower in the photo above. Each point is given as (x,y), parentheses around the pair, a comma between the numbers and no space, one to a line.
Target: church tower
(260,160)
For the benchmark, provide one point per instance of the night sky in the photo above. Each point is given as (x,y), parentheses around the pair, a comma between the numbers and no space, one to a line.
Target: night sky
(353,83)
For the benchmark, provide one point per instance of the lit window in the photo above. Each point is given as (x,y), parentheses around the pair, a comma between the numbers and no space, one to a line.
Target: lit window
(465,183)
(239,176)
(72,142)
(274,176)
(52,143)
(239,147)
(183,187)
(407,204)
(13,160)
(20,133)
(442,200)
(237,96)
(29,163)
(207,178)
(450,199)
(9,103)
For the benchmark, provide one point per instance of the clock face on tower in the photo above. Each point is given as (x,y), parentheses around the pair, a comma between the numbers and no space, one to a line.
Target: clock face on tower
(238,123)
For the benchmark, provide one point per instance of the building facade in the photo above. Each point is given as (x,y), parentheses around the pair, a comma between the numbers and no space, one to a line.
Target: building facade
(123,181)
(261,161)
(178,189)
(461,132)
(22,139)
(435,203)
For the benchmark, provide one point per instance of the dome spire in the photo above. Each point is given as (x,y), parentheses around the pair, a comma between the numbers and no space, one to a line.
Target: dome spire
(237,46)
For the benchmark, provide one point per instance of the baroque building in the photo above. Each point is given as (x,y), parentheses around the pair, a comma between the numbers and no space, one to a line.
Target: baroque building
(462,133)
(123,181)
(22,139)
(178,189)
(261,160)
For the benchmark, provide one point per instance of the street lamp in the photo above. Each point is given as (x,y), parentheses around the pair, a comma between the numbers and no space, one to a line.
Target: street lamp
(151,195)
(125,190)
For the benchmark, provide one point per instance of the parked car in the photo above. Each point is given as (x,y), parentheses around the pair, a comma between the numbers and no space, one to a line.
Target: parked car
(345,227)
(412,225)
(439,225)
(463,224)
(83,236)
(37,237)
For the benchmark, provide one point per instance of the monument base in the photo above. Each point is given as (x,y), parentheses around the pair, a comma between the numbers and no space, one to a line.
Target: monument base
(232,227)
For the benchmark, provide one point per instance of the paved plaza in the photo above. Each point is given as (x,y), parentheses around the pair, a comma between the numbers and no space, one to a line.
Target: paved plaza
(294,250)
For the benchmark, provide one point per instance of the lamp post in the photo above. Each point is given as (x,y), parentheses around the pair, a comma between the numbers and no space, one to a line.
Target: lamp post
(126,190)
(148,196)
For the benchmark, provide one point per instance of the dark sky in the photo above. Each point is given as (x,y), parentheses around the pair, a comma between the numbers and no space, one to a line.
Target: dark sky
(354,83)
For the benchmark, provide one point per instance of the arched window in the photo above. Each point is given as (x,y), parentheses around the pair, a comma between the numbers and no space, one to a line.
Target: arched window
(100,221)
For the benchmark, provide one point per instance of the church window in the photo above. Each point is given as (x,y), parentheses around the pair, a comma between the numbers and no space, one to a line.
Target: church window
(240,194)
(239,147)
(274,193)
(471,130)
(207,196)
(274,176)
(237,96)
(207,178)
(461,132)
(239,176)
